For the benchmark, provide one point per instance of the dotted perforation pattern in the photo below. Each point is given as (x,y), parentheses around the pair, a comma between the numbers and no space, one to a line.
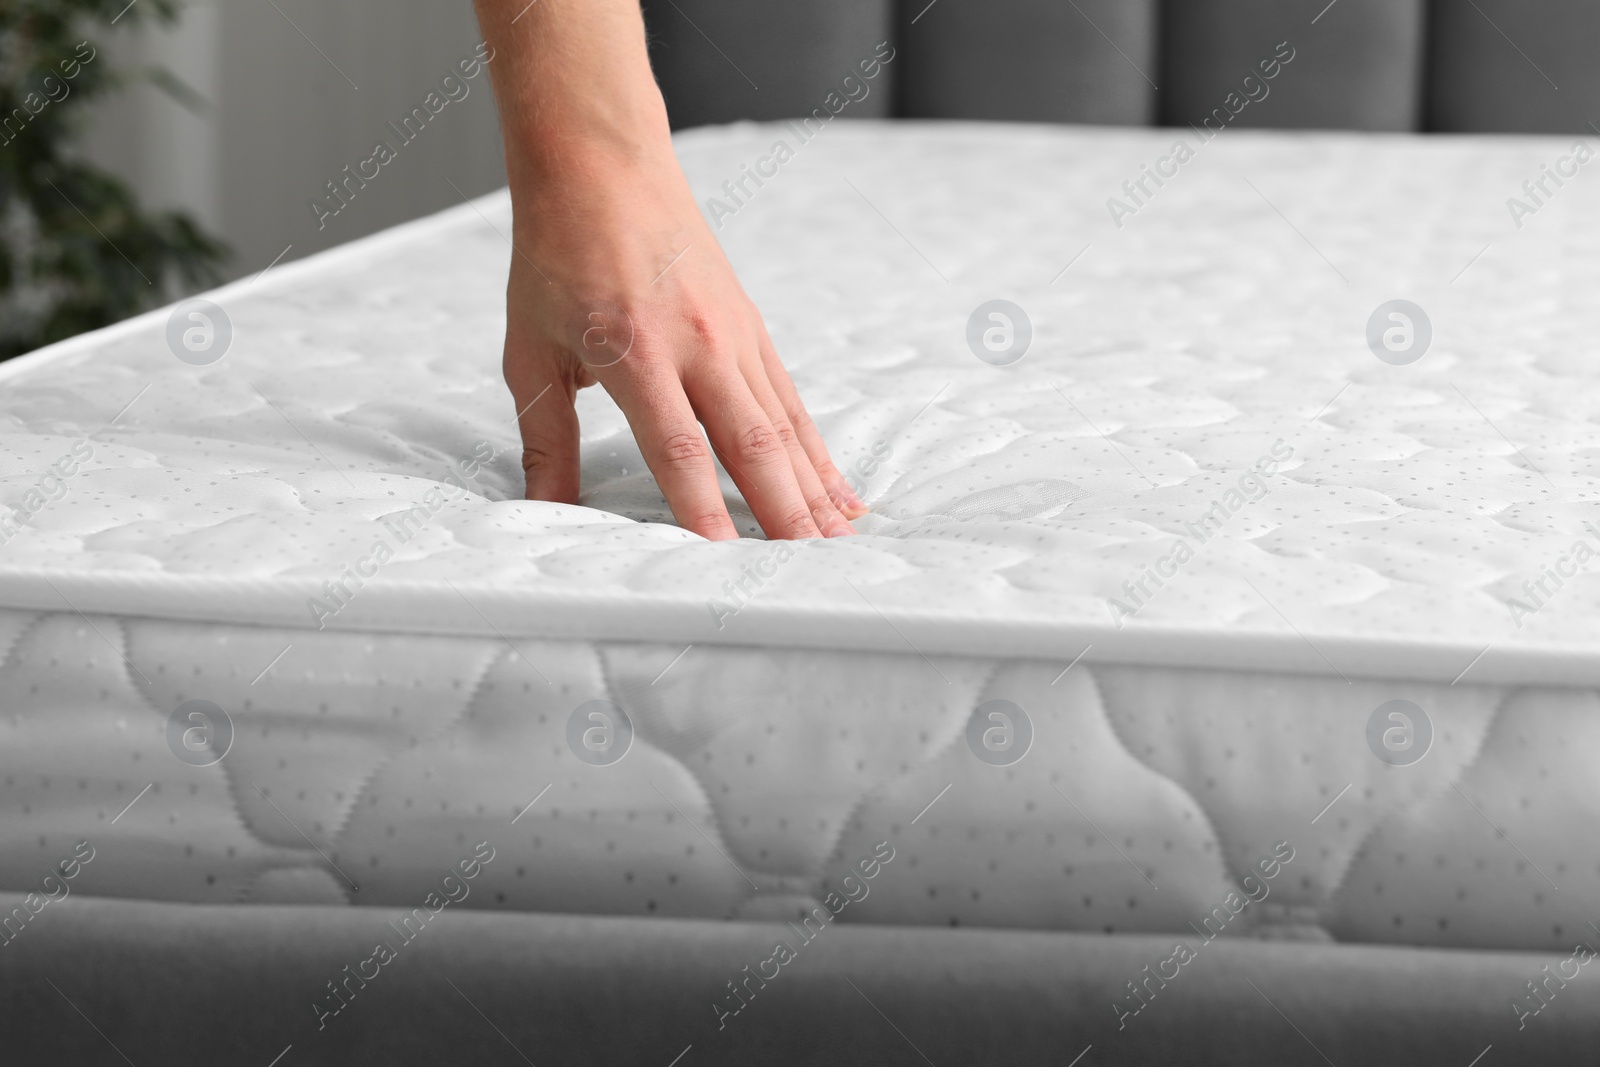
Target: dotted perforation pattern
(757,782)
(1182,348)
(1010,504)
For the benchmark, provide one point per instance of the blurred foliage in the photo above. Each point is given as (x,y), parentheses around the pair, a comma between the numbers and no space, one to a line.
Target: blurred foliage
(76,250)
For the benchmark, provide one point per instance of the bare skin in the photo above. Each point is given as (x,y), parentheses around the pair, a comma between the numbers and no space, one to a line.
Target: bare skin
(617,279)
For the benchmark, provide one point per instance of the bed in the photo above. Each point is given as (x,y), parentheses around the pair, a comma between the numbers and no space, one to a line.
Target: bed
(1222,589)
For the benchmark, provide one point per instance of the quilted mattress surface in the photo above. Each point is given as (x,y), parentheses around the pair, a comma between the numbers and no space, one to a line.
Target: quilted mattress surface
(1190,547)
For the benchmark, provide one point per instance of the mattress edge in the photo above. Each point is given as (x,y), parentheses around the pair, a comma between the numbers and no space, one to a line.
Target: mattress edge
(451,610)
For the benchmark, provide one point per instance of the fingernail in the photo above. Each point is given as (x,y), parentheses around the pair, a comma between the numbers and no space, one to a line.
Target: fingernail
(841,529)
(849,503)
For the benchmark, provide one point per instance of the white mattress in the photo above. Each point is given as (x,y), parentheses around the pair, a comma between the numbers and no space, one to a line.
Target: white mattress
(775,747)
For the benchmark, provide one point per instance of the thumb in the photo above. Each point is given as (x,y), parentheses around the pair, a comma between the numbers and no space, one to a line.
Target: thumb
(548,422)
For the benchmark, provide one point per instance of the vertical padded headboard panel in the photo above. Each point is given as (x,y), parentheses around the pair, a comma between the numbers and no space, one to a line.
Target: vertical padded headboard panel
(1029,60)
(1496,66)
(724,60)
(1358,65)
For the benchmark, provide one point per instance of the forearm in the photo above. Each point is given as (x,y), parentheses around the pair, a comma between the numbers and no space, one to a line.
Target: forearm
(576,94)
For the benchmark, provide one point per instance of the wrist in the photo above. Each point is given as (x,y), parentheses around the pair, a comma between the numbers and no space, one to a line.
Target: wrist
(598,184)
(596,141)
(587,158)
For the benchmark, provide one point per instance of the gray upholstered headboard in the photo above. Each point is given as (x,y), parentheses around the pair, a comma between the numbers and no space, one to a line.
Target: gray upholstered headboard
(1443,65)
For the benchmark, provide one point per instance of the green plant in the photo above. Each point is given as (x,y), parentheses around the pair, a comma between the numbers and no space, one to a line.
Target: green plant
(76,250)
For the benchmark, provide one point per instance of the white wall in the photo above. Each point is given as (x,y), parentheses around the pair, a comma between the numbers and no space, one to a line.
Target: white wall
(296,90)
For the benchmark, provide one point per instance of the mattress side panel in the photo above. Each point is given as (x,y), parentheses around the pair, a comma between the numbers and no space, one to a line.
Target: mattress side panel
(797,785)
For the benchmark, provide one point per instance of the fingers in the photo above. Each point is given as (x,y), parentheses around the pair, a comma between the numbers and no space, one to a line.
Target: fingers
(823,511)
(548,423)
(749,410)
(751,449)
(839,489)
(675,449)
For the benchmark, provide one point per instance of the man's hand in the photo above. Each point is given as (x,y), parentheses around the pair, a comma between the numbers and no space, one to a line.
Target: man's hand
(616,279)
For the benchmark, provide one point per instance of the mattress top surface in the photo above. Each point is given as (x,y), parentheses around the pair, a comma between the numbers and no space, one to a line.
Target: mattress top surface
(1218,446)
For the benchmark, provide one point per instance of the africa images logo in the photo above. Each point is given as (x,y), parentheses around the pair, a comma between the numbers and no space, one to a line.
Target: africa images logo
(812,924)
(852,89)
(452,89)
